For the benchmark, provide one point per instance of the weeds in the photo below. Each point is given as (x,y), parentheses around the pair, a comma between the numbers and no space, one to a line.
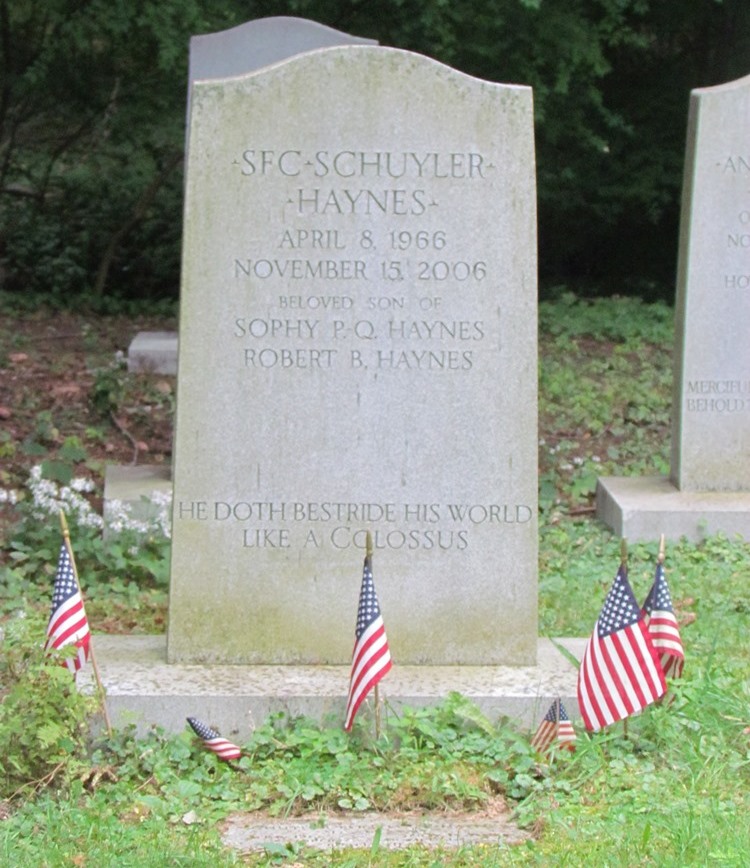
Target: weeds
(126,570)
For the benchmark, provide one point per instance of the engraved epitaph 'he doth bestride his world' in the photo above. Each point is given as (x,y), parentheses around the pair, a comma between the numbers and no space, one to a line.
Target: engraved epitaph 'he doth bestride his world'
(357,352)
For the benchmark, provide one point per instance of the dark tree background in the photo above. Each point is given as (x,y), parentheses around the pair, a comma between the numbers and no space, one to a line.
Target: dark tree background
(92,113)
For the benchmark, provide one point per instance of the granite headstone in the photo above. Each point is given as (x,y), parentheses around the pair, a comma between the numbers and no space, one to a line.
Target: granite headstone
(357,352)
(708,490)
(711,410)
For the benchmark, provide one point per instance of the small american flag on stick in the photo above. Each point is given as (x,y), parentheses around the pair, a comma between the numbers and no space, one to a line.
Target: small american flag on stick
(371,659)
(555,728)
(223,748)
(620,673)
(659,616)
(68,624)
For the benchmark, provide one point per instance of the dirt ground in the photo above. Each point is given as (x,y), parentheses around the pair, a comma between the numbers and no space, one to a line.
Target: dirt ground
(63,381)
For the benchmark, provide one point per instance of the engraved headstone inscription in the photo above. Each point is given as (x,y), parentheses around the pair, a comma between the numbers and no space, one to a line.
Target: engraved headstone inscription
(357,352)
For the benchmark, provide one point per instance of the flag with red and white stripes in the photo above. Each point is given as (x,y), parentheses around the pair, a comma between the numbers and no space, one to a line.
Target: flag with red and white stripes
(371,659)
(555,728)
(211,739)
(620,672)
(659,616)
(68,625)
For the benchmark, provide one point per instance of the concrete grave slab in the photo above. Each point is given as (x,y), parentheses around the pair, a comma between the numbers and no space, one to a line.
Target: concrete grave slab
(144,690)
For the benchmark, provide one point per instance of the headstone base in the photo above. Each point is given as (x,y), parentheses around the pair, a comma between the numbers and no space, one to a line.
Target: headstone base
(143,689)
(640,509)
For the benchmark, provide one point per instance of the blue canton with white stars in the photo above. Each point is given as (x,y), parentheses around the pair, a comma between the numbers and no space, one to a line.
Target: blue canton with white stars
(65,580)
(368,601)
(659,597)
(201,730)
(556,713)
(620,608)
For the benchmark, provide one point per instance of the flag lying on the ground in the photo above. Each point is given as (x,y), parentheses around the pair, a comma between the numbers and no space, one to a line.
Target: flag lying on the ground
(371,659)
(658,614)
(555,728)
(620,671)
(213,741)
(68,624)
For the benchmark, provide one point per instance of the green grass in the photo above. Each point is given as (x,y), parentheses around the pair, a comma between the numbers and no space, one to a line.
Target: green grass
(672,788)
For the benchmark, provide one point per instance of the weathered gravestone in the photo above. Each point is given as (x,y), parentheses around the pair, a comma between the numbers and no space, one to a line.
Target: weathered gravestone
(357,352)
(709,486)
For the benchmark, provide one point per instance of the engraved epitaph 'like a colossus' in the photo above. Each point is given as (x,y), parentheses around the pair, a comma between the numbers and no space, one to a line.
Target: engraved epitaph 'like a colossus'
(357,352)
(711,409)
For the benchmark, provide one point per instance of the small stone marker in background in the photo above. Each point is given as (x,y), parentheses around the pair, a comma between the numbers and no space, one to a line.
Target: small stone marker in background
(357,352)
(709,486)
(153,353)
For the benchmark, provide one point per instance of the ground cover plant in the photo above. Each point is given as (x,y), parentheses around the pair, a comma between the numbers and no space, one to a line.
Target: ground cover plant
(674,789)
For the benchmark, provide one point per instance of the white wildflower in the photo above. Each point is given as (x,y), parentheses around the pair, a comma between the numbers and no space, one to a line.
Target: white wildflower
(8,495)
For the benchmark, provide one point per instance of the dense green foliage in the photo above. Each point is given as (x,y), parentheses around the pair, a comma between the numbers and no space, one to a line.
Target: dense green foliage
(43,718)
(92,113)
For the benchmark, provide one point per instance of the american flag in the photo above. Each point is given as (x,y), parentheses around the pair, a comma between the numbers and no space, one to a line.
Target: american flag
(371,659)
(213,741)
(554,728)
(620,672)
(658,614)
(68,624)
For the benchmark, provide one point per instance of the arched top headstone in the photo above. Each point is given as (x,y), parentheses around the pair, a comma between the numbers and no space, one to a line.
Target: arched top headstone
(357,352)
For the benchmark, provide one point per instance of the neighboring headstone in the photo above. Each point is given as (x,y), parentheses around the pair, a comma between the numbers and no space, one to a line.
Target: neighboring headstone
(357,352)
(711,441)
(227,53)
(709,488)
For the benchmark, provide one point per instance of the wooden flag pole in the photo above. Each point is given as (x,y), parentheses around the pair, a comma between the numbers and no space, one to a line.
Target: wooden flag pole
(376,688)
(97,676)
